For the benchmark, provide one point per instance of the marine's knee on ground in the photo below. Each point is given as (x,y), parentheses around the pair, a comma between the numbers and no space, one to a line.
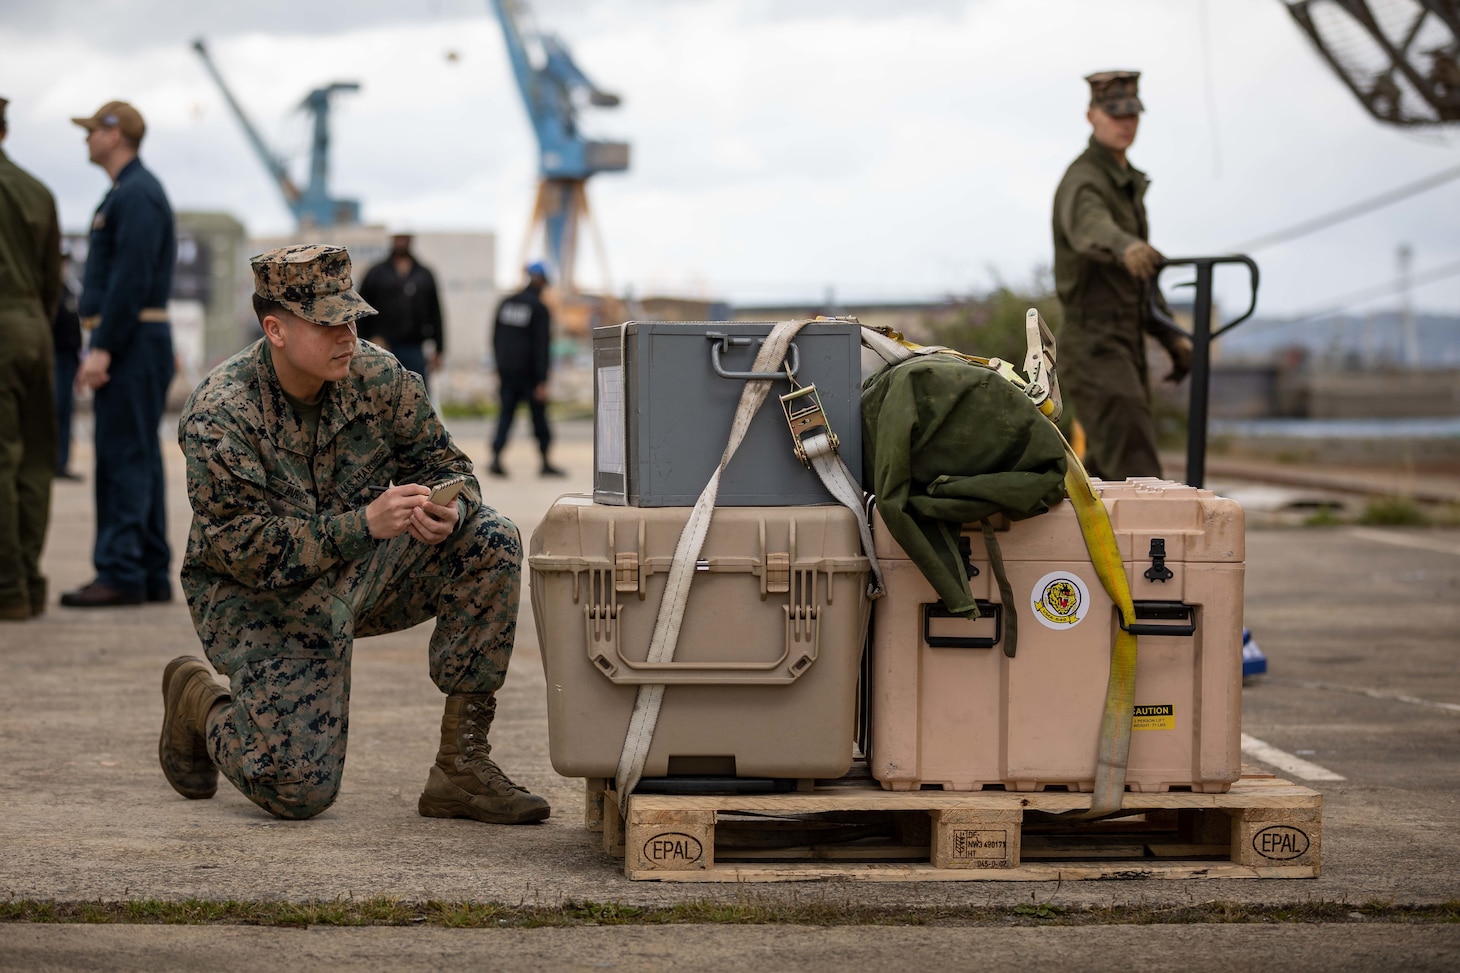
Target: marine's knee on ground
(294,801)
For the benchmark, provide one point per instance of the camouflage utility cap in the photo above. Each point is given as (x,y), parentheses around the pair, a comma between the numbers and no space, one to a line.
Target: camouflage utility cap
(312,280)
(1115,93)
(116,114)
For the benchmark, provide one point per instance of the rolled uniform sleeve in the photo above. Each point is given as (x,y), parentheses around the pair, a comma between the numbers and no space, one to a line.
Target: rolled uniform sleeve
(231,499)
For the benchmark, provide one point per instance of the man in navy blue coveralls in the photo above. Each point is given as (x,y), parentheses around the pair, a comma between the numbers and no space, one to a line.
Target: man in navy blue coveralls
(124,293)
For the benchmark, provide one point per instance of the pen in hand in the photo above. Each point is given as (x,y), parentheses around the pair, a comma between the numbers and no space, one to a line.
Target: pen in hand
(375,489)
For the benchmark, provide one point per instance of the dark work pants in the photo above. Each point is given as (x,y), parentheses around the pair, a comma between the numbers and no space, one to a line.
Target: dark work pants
(131,504)
(517,389)
(65,406)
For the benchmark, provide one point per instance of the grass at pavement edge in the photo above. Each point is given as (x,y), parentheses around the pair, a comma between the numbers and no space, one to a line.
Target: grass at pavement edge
(382,911)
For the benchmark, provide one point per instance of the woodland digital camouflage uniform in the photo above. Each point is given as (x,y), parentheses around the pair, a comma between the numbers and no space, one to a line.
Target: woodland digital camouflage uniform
(281,573)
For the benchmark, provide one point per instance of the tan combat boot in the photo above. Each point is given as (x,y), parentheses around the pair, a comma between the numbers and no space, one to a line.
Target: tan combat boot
(188,694)
(465,782)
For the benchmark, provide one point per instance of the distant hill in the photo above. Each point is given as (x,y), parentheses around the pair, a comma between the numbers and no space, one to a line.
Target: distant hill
(1346,338)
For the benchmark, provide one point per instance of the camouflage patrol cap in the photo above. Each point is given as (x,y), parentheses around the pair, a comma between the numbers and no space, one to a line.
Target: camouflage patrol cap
(312,280)
(1115,93)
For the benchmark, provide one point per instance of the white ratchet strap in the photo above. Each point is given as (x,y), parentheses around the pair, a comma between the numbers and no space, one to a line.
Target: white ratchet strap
(681,572)
(827,463)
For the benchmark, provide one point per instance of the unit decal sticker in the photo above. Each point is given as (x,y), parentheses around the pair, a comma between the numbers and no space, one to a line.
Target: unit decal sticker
(1060,600)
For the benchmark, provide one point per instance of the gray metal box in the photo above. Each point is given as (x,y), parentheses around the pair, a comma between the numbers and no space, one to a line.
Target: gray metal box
(664,397)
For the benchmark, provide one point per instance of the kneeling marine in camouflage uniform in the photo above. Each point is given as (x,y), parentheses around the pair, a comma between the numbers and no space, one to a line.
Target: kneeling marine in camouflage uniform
(297,548)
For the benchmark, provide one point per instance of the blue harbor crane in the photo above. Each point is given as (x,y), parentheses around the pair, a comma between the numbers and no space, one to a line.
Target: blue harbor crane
(313,205)
(553,89)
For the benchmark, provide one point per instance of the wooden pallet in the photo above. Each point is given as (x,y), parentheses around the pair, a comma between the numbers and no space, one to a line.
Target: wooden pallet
(852,830)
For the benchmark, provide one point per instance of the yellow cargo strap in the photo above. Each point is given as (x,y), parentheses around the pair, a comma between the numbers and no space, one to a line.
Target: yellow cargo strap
(1113,756)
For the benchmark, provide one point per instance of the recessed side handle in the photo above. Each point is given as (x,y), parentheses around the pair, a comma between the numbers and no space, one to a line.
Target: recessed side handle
(986,609)
(1163,618)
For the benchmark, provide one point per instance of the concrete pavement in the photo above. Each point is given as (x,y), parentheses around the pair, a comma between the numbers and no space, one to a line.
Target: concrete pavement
(708,949)
(86,814)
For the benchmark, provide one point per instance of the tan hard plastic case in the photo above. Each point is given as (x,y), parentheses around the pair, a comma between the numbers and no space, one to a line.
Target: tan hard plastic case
(967,718)
(763,682)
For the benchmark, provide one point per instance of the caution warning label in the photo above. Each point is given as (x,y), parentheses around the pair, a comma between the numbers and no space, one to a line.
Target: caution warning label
(1154,716)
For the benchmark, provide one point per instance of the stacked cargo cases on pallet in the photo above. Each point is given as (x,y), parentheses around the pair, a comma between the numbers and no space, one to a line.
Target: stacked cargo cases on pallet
(764,672)
(763,680)
(950,709)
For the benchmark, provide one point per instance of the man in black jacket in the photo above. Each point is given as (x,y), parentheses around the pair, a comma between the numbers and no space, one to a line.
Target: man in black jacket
(520,342)
(403,292)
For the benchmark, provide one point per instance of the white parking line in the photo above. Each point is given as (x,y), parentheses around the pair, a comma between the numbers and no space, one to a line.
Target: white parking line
(1285,761)
(1416,541)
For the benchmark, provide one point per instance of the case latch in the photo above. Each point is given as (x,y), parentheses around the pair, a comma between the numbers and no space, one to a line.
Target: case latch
(1158,571)
(777,573)
(626,571)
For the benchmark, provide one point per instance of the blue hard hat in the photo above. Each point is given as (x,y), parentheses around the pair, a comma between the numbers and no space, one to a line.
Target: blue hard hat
(537,269)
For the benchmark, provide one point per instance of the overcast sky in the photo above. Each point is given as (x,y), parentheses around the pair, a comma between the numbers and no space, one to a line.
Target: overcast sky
(888,150)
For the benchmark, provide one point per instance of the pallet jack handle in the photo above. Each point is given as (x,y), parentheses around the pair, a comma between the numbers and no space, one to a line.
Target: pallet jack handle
(1202,335)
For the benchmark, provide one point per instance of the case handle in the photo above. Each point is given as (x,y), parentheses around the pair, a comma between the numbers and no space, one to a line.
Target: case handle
(724,343)
(1163,610)
(939,610)
(803,645)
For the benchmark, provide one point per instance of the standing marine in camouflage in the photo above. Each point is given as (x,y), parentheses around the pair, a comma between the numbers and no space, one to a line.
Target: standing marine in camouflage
(298,546)
(1103,271)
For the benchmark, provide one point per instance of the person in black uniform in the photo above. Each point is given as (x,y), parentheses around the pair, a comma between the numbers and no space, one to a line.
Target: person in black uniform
(408,309)
(66,341)
(520,341)
(124,291)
